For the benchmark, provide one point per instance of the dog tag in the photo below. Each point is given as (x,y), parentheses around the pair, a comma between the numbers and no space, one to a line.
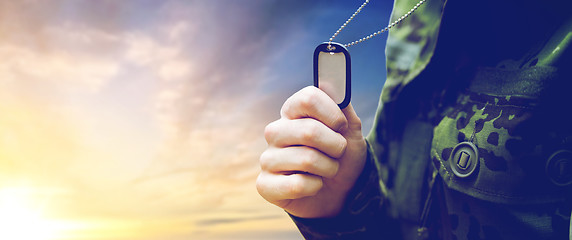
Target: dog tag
(332,72)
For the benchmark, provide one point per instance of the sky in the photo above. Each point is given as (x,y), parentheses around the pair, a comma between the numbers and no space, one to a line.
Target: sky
(144,119)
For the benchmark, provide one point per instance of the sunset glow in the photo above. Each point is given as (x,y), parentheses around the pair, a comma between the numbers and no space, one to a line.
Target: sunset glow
(143,120)
(21,218)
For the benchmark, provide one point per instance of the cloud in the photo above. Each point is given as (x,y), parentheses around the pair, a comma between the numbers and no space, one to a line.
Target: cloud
(58,68)
(203,105)
(148,112)
(206,96)
(144,50)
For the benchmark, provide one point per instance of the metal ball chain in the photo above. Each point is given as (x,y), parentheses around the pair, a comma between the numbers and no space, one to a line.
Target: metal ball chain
(375,33)
(349,20)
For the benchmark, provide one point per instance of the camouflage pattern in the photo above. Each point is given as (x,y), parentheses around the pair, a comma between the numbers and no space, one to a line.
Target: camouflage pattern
(411,44)
(518,114)
(509,196)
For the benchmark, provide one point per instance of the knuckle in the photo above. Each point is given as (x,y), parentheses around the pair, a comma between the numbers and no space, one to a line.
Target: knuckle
(261,186)
(300,101)
(270,131)
(310,131)
(309,90)
(308,100)
(286,107)
(334,170)
(265,190)
(342,145)
(265,160)
(339,121)
(296,187)
(303,186)
(308,161)
(356,124)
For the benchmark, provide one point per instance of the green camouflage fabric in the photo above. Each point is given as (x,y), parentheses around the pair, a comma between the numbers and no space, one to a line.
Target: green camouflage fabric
(442,89)
(411,44)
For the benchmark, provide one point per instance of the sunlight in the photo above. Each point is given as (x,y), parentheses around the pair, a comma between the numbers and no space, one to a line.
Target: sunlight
(21,218)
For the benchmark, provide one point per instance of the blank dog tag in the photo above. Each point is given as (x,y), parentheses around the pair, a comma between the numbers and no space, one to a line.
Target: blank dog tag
(332,72)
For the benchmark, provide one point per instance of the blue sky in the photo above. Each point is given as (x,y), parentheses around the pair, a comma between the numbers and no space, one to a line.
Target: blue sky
(144,119)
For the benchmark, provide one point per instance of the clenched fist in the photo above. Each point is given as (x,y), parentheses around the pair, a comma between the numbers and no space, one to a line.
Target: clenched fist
(315,154)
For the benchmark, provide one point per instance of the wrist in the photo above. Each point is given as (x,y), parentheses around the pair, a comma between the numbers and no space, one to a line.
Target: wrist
(361,207)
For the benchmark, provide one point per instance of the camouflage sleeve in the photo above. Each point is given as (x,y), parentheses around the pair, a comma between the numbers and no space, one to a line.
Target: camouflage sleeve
(362,215)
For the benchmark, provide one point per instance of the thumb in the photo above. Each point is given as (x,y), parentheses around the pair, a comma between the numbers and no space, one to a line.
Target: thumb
(354,123)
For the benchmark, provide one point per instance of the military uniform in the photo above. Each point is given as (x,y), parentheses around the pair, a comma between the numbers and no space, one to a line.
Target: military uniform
(473,134)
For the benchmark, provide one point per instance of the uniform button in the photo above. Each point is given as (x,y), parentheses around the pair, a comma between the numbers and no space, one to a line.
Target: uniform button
(464,159)
(559,168)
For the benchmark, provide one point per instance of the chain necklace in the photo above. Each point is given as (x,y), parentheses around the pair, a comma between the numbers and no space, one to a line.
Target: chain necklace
(375,33)
(332,64)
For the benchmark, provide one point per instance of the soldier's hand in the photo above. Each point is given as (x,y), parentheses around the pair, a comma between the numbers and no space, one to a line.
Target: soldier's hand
(315,155)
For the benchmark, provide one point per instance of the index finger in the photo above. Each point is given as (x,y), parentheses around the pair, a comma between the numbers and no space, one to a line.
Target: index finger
(311,102)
